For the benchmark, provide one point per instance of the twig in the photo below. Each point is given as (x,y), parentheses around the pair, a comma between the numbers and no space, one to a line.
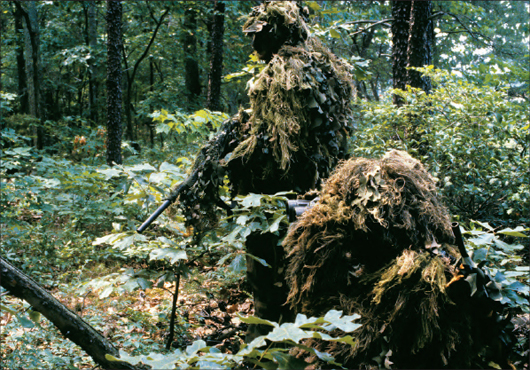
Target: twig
(173,311)
(383,22)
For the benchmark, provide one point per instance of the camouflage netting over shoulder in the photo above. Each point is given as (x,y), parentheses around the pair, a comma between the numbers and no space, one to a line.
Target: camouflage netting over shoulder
(378,243)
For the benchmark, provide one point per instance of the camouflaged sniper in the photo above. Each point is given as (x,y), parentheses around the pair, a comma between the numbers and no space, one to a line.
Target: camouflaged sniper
(296,128)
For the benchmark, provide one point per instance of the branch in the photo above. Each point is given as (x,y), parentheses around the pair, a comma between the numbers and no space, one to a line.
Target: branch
(472,33)
(158,24)
(370,21)
(374,24)
(71,325)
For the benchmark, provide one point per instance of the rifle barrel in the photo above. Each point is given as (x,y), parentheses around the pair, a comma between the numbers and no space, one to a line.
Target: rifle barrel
(153,217)
(460,243)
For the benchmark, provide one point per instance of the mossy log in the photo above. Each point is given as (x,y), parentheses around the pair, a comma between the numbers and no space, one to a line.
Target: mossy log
(71,325)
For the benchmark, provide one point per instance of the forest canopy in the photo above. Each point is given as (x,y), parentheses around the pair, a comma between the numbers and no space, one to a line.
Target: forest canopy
(105,106)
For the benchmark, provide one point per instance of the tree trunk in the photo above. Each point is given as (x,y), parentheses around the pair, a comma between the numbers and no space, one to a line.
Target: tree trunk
(216,58)
(191,66)
(151,89)
(114,93)
(92,68)
(412,36)
(419,43)
(21,62)
(71,325)
(33,68)
(400,38)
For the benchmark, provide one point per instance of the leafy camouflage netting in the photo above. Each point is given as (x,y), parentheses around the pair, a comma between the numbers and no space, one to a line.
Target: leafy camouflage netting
(296,129)
(378,243)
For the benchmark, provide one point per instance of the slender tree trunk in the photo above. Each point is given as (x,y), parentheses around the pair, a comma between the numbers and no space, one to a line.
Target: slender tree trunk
(216,58)
(33,69)
(114,93)
(80,99)
(129,132)
(400,39)
(419,43)
(152,89)
(191,66)
(92,67)
(373,85)
(21,62)
(71,325)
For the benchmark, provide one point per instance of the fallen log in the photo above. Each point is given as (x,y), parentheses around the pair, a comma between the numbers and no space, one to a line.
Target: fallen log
(71,325)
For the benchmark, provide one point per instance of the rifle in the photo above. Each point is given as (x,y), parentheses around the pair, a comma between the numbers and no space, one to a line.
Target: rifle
(206,162)
(294,208)
(479,279)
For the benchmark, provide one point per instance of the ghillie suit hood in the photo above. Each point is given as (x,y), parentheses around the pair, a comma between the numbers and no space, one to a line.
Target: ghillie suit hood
(296,129)
(379,243)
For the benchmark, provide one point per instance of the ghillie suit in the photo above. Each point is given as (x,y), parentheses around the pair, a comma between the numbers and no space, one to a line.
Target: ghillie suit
(300,107)
(295,131)
(379,243)
(293,135)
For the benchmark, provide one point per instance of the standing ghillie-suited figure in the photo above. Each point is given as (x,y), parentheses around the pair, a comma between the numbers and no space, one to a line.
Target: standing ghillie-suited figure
(379,243)
(293,135)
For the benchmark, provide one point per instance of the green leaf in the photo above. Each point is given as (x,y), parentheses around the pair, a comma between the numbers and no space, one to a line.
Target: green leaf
(344,323)
(484,239)
(518,232)
(3,307)
(251,200)
(260,260)
(196,347)
(141,167)
(110,173)
(313,5)
(480,255)
(287,361)
(126,242)
(507,247)
(276,224)
(334,33)
(35,316)
(256,320)
(171,254)
(28,324)
(106,292)
(288,331)
(238,264)
(484,225)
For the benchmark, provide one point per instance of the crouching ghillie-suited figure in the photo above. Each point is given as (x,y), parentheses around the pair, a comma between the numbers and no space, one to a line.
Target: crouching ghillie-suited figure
(379,243)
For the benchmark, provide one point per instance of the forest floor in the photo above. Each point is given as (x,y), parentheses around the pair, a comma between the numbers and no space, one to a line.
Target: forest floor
(207,309)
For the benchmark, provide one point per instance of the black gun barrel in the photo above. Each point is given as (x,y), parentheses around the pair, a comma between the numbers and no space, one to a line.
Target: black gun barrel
(460,244)
(153,217)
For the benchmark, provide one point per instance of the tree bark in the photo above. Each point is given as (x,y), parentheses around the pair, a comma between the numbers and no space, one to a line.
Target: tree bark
(412,36)
(114,93)
(33,69)
(71,325)
(21,62)
(400,38)
(191,66)
(92,67)
(419,43)
(216,58)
